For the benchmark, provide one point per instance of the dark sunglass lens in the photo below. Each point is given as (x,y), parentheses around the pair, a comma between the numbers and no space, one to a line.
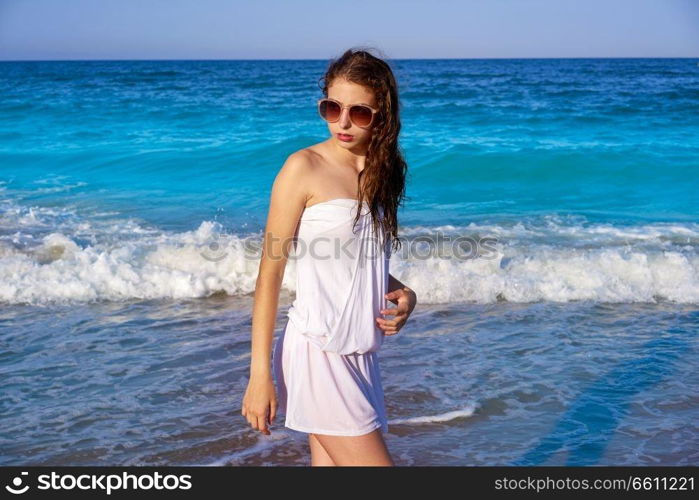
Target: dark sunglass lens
(330,110)
(360,115)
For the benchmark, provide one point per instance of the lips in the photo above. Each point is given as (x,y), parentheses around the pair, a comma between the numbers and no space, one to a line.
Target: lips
(345,137)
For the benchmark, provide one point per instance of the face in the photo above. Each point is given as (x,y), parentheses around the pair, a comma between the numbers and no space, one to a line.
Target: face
(345,133)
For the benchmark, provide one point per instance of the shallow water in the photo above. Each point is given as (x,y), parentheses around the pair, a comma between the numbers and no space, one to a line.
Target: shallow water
(161,383)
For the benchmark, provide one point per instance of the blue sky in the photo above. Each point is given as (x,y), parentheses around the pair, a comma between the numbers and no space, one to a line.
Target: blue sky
(314,29)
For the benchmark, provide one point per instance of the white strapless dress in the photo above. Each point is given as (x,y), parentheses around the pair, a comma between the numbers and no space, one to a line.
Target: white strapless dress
(325,362)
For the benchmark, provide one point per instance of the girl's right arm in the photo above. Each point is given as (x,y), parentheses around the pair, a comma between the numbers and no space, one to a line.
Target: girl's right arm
(287,202)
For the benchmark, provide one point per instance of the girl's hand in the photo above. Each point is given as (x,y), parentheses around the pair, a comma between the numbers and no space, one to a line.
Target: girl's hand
(260,403)
(406,299)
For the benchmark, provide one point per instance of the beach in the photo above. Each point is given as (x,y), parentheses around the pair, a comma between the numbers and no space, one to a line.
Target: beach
(133,197)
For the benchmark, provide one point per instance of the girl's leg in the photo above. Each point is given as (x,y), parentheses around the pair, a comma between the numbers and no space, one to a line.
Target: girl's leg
(367,449)
(319,457)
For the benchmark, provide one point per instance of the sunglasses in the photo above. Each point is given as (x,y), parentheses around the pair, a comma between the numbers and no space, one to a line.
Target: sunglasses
(359,114)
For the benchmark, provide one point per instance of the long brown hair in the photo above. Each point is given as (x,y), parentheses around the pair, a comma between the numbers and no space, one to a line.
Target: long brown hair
(382,182)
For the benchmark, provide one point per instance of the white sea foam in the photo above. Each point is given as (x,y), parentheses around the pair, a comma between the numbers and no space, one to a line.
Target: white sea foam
(441,417)
(49,256)
(262,447)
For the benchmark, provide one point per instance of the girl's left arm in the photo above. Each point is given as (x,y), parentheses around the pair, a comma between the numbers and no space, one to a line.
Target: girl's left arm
(405,298)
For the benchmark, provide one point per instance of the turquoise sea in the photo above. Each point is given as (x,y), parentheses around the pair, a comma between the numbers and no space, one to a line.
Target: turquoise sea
(132,193)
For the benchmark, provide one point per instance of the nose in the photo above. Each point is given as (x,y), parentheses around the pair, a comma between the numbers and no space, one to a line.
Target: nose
(344,119)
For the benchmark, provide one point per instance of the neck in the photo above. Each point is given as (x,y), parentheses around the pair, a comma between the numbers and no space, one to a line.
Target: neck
(355,156)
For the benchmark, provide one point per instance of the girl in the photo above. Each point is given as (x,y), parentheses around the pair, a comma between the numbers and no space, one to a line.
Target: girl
(337,201)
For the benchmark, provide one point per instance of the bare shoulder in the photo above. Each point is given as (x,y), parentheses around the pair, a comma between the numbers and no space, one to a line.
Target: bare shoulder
(300,165)
(312,156)
(294,172)
(290,189)
(301,169)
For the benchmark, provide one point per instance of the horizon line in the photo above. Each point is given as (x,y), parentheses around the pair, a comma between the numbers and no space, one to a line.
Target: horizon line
(326,59)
